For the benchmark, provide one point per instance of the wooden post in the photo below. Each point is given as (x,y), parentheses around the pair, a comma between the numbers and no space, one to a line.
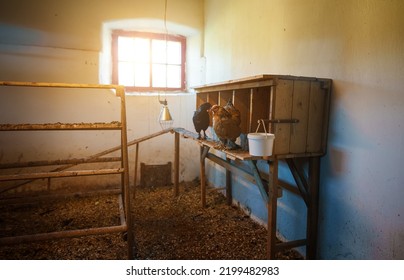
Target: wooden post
(312,210)
(272,207)
(203,176)
(120,91)
(176,164)
(135,176)
(229,195)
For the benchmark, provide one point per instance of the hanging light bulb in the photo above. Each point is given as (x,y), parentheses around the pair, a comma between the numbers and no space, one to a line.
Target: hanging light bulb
(165,120)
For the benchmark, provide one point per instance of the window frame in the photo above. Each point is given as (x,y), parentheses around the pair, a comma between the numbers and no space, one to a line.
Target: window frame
(148,35)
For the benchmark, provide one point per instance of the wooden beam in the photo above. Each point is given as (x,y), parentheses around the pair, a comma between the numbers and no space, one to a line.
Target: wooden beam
(39,175)
(135,175)
(61,234)
(57,162)
(203,153)
(56,196)
(61,126)
(272,210)
(300,180)
(229,194)
(57,85)
(176,164)
(312,211)
(258,181)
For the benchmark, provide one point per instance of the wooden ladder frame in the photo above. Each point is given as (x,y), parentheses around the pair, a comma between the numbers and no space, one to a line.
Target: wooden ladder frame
(124,192)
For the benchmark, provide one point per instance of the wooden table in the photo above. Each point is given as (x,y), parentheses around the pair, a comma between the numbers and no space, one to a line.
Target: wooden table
(269,185)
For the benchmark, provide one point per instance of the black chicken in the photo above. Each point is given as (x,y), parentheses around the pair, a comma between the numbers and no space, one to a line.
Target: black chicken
(201,119)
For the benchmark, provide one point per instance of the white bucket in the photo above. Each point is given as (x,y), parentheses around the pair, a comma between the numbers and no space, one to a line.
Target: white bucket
(260,144)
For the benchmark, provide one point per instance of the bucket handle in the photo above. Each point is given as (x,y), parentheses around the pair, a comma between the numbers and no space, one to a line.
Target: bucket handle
(263,124)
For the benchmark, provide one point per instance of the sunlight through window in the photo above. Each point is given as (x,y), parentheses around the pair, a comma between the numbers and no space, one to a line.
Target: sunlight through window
(148,61)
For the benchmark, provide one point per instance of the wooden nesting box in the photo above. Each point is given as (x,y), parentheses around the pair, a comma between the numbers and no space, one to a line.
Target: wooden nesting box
(295,109)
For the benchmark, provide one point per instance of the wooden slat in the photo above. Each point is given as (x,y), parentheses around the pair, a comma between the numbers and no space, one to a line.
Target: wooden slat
(300,111)
(176,164)
(242,103)
(56,85)
(282,110)
(61,234)
(236,86)
(259,106)
(60,174)
(251,82)
(316,115)
(61,126)
(213,97)
(201,98)
(57,162)
(224,97)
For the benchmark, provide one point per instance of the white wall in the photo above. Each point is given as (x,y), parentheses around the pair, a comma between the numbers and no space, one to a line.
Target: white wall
(358,44)
(64,41)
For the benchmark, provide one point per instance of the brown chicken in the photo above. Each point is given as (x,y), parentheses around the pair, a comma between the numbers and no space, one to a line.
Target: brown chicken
(235,113)
(226,126)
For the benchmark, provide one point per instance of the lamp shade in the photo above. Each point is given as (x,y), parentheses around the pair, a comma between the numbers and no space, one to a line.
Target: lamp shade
(165,119)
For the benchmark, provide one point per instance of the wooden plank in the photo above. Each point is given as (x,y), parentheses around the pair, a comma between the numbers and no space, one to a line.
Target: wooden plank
(316,115)
(300,111)
(213,97)
(176,164)
(326,85)
(125,173)
(251,82)
(229,192)
(61,234)
(201,98)
(202,174)
(224,97)
(235,86)
(61,126)
(135,175)
(259,106)
(272,210)
(56,85)
(283,96)
(312,211)
(57,162)
(242,103)
(38,175)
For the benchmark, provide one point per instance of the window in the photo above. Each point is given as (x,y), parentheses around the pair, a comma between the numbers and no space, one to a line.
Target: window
(148,61)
